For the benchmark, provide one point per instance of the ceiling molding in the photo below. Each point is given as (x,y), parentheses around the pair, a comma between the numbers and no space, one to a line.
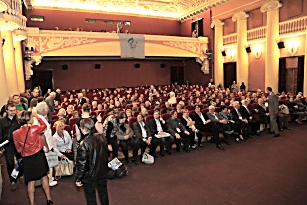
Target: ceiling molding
(245,7)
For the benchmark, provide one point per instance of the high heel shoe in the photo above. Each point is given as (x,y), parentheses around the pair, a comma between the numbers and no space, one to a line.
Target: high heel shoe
(49,202)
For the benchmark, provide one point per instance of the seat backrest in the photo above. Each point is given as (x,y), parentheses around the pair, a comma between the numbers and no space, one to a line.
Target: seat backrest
(149,117)
(165,116)
(72,121)
(131,121)
(135,114)
(150,112)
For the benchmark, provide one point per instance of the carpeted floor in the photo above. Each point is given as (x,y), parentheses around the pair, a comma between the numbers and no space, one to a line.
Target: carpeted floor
(262,171)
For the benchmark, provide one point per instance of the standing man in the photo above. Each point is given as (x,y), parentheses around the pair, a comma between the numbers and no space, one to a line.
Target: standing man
(92,164)
(273,110)
(8,124)
(50,102)
(42,110)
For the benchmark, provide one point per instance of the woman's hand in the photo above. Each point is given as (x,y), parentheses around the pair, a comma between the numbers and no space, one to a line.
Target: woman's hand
(110,148)
(63,156)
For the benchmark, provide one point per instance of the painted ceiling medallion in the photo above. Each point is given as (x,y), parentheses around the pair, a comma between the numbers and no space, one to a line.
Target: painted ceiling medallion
(160,8)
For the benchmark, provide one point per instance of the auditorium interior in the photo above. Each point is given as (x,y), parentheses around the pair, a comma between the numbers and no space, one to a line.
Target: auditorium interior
(75,44)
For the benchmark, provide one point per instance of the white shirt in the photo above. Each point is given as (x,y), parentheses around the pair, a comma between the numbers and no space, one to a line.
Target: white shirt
(47,132)
(159,127)
(62,144)
(202,118)
(144,133)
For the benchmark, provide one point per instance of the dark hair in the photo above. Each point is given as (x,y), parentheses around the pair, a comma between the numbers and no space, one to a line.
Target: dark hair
(223,107)
(15,95)
(269,89)
(197,105)
(33,102)
(121,115)
(88,124)
(172,113)
(86,107)
(10,104)
(40,99)
(24,117)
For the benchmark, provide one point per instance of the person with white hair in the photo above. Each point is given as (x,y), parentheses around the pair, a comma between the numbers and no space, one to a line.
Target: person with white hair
(50,102)
(253,123)
(172,98)
(240,120)
(81,99)
(42,110)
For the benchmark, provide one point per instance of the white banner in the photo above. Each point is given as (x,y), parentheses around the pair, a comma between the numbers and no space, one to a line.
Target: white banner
(132,45)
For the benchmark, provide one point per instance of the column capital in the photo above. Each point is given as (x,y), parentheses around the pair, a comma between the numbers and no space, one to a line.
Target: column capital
(217,23)
(239,16)
(271,5)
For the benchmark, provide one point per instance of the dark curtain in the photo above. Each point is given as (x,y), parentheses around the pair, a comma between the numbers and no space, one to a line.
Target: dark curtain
(282,75)
(300,74)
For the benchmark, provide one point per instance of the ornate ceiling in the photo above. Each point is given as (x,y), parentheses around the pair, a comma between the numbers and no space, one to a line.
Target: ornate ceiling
(174,9)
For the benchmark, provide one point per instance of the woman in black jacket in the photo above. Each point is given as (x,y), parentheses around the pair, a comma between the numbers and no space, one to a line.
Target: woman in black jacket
(92,164)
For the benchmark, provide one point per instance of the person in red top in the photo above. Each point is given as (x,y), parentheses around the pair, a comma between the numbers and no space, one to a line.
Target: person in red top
(29,142)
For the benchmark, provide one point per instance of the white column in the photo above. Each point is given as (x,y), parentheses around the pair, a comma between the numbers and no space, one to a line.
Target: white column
(305,71)
(9,62)
(242,56)
(19,66)
(218,46)
(3,83)
(272,37)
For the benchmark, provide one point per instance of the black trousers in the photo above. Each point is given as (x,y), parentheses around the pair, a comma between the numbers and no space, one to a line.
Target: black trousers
(153,146)
(113,142)
(132,143)
(161,141)
(9,154)
(192,138)
(211,127)
(185,139)
(253,125)
(90,187)
(241,127)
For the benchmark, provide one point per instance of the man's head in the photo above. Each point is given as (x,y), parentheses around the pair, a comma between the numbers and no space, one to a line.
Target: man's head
(42,108)
(236,104)
(260,101)
(53,94)
(211,109)
(269,89)
(167,104)
(173,114)
(178,107)
(16,99)
(244,102)
(139,118)
(197,108)
(35,92)
(185,113)
(156,114)
(80,95)
(11,110)
(58,90)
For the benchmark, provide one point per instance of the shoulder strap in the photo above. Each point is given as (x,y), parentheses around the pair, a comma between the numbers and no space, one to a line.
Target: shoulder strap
(24,144)
(23,106)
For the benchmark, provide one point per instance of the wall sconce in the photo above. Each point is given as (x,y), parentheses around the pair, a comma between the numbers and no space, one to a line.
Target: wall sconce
(257,50)
(231,54)
(292,47)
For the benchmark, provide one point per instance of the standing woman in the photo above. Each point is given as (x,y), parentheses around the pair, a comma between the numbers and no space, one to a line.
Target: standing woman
(30,143)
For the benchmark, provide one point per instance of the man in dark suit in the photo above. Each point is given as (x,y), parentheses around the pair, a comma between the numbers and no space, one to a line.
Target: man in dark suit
(264,115)
(204,124)
(239,119)
(81,99)
(273,110)
(177,130)
(253,124)
(222,123)
(158,126)
(142,134)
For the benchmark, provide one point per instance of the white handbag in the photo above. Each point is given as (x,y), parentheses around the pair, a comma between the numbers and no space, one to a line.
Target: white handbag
(64,168)
(52,159)
(147,158)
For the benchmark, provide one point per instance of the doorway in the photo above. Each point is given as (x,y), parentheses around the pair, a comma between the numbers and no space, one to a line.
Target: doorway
(230,73)
(177,75)
(44,79)
(198,26)
(291,74)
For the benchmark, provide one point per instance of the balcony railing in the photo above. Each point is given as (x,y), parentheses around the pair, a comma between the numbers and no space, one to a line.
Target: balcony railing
(230,39)
(256,33)
(293,26)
